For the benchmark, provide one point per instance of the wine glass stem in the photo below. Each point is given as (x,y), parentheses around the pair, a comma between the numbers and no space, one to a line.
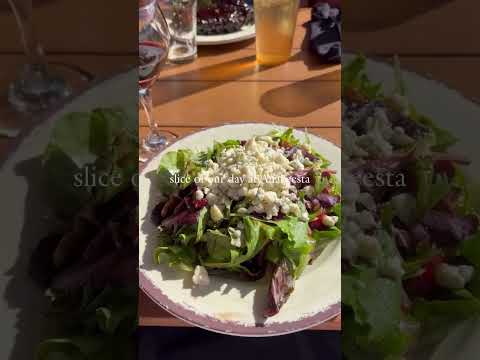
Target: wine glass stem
(146,101)
(23,11)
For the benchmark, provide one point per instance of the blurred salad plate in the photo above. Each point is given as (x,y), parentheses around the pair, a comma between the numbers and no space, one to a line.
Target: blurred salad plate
(59,142)
(409,248)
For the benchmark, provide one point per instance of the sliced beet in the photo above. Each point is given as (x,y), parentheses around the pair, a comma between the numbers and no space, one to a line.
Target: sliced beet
(424,284)
(317,224)
(199,204)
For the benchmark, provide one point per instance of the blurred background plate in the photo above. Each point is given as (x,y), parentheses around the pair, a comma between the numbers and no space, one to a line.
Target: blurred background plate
(247,32)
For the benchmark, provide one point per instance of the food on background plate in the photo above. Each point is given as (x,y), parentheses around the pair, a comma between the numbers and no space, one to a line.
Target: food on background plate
(264,206)
(216,17)
(411,236)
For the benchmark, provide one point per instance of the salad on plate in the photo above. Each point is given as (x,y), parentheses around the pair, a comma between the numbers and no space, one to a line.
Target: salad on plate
(262,207)
(87,263)
(411,238)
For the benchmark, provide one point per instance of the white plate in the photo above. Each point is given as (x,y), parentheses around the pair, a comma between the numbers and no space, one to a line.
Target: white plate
(23,305)
(232,306)
(247,32)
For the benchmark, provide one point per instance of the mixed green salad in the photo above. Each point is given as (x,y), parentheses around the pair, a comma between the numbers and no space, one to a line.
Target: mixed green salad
(264,206)
(87,265)
(411,240)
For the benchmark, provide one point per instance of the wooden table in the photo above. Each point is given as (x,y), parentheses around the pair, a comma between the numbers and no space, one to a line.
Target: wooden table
(225,85)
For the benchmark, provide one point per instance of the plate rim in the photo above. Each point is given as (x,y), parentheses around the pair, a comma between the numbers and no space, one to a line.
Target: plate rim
(26,131)
(227,327)
(249,32)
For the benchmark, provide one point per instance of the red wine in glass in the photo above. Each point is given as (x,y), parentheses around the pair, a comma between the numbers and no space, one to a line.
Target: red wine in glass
(152,56)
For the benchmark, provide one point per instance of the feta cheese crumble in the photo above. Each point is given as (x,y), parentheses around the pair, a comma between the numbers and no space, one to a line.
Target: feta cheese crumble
(256,173)
(200,276)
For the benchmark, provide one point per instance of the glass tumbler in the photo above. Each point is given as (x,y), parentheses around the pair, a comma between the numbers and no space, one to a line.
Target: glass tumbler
(181,16)
(275,22)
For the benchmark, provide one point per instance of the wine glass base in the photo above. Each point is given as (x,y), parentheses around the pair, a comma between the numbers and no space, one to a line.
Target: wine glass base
(30,95)
(155,142)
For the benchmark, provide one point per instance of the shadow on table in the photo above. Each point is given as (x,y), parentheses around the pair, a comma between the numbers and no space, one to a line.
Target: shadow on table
(221,50)
(235,70)
(302,97)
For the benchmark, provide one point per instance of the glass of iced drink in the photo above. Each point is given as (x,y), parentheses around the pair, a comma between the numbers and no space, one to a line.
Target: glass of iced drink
(275,22)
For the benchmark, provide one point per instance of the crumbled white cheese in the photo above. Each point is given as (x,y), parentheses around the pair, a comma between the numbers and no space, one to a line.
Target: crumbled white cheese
(392,268)
(368,247)
(453,277)
(258,172)
(329,221)
(309,190)
(448,276)
(304,217)
(215,213)
(199,195)
(236,237)
(200,276)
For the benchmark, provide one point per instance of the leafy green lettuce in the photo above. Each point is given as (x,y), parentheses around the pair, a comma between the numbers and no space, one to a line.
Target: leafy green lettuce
(257,236)
(371,316)
(177,170)
(355,78)
(91,157)
(103,321)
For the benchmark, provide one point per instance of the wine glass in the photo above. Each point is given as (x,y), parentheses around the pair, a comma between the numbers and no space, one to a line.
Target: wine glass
(153,47)
(36,88)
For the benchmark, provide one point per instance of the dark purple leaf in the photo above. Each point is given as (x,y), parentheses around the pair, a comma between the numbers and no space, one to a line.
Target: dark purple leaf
(170,206)
(327,201)
(189,190)
(308,155)
(290,152)
(184,218)
(181,206)
(419,234)
(281,286)
(82,273)
(447,229)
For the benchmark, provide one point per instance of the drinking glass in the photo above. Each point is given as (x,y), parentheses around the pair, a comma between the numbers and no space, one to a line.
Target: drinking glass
(181,16)
(153,45)
(36,88)
(275,22)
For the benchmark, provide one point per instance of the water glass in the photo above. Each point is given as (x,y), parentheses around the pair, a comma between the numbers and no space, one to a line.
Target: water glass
(181,17)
